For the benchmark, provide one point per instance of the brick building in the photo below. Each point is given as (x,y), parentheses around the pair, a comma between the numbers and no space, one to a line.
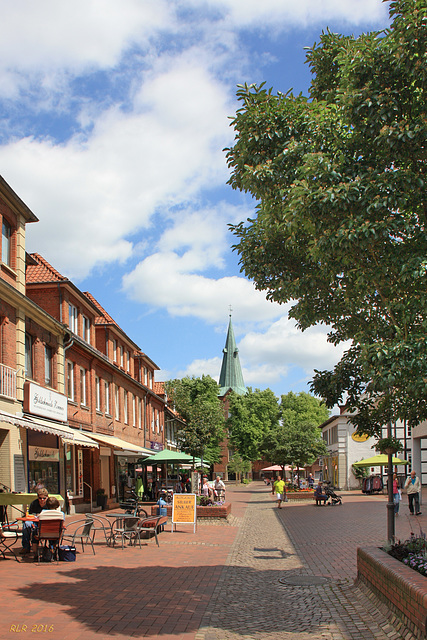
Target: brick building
(78,404)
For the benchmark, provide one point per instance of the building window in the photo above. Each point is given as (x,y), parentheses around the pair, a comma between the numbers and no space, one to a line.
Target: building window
(139,412)
(145,376)
(72,317)
(125,407)
(48,354)
(157,422)
(134,411)
(83,398)
(150,380)
(107,398)
(70,381)
(29,345)
(6,243)
(114,350)
(116,403)
(97,393)
(121,356)
(86,329)
(128,361)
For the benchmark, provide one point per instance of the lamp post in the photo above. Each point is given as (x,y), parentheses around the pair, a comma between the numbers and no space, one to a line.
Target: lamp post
(390,503)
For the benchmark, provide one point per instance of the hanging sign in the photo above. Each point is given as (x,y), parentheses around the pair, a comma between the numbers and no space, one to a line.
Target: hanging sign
(184,509)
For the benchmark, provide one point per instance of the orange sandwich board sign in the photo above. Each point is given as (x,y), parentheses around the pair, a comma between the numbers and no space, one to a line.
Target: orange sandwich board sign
(184,509)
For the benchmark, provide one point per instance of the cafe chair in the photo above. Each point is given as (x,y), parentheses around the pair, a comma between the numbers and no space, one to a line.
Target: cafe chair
(101,523)
(123,528)
(9,535)
(48,538)
(83,532)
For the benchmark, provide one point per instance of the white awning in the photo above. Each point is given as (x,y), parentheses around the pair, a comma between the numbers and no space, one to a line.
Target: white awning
(63,431)
(118,443)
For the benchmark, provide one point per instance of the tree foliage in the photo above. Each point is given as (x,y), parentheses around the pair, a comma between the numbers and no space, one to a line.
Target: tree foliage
(196,401)
(251,416)
(297,440)
(340,225)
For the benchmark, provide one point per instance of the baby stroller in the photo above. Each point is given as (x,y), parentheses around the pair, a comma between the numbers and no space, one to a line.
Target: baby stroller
(333,499)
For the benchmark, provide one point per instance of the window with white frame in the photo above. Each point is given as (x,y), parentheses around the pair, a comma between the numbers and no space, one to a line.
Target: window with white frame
(83,398)
(97,393)
(29,348)
(107,398)
(114,350)
(72,317)
(125,407)
(116,403)
(145,376)
(128,361)
(6,243)
(139,412)
(70,380)
(86,328)
(158,421)
(122,352)
(48,374)
(150,380)
(152,420)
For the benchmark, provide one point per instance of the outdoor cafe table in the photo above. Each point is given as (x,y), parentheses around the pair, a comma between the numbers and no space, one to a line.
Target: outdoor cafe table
(22,499)
(118,527)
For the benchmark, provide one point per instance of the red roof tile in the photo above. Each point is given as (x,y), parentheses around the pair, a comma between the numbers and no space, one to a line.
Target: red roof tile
(104,317)
(42,271)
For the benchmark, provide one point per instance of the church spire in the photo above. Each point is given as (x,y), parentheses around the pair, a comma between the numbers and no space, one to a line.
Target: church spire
(231,377)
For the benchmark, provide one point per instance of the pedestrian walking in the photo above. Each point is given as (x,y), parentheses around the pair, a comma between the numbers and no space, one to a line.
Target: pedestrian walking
(279,489)
(413,488)
(396,494)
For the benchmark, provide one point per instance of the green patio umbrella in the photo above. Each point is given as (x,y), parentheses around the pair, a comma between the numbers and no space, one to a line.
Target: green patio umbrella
(167,455)
(379,461)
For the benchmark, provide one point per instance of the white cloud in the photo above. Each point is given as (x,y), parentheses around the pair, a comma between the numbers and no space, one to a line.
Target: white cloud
(90,195)
(287,14)
(49,38)
(199,367)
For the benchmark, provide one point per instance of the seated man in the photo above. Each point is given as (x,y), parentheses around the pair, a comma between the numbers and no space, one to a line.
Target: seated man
(319,495)
(28,528)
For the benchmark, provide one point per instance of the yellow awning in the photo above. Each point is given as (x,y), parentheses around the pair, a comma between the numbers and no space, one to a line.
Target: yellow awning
(63,431)
(118,443)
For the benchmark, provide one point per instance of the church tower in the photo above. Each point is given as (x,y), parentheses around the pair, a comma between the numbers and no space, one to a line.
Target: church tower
(231,376)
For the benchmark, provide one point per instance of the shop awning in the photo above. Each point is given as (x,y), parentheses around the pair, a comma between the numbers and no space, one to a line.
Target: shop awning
(63,431)
(379,461)
(122,445)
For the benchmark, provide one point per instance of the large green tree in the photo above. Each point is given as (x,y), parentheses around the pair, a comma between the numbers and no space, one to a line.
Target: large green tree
(340,225)
(251,416)
(297,440)
(196,401)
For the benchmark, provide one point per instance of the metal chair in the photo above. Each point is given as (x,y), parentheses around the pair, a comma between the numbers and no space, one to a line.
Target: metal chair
(8,537)
(123,528)
(149,525)
(48,536)
(84,532)
(101,523)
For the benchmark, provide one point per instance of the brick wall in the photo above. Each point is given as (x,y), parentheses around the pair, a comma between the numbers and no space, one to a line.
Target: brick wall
(402,589)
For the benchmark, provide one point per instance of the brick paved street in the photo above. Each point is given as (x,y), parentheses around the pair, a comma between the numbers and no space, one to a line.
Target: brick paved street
(222,583)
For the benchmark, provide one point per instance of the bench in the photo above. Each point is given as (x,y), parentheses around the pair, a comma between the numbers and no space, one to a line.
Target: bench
(153,524)
(320,501)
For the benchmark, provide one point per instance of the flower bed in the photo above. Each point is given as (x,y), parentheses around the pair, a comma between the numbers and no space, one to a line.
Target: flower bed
(401,589)
(211,511)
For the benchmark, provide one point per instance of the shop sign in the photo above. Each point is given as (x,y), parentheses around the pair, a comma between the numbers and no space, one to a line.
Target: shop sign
(184,509)
(156,446)
(359,437)
(46,403)
(42,453)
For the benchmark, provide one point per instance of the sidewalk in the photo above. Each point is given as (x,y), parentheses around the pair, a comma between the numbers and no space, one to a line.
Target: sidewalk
(225,582)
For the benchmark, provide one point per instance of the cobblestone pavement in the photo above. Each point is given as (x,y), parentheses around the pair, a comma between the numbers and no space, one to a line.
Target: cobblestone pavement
(254,599)
(220,583)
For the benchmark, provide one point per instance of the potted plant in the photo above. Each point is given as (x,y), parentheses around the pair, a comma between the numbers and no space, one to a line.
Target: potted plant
(389,445)
(101,498)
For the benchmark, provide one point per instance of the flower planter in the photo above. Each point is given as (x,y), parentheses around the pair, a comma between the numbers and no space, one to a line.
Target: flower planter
(213,511)
(401,589)
(300,495)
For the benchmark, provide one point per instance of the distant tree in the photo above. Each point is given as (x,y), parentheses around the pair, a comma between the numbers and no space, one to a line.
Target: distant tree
(297,441)
(239,466)
(340,230)
(252,416)
(196,401)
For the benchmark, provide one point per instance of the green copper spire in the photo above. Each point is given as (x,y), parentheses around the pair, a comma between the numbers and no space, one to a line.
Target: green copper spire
(231,377)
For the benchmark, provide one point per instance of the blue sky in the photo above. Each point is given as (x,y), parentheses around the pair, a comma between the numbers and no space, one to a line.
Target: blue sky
(114,115)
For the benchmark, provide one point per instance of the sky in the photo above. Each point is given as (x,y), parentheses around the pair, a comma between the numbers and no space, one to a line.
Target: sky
(114,117)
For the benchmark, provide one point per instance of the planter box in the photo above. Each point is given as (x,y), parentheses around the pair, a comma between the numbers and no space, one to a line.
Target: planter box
(402,589)
(202,512)
(300,495)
